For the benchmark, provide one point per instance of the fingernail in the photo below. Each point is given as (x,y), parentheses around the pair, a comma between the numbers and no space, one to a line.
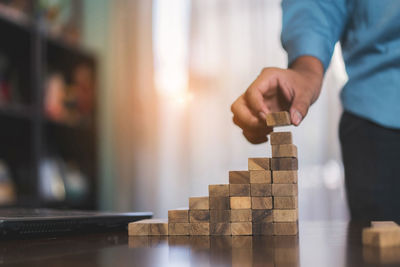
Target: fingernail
(262,115)
(297,117)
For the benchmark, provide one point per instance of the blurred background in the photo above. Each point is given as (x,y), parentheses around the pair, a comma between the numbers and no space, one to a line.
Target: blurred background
(125,105)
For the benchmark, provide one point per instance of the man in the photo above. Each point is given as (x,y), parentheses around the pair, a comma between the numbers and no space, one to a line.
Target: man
(369,33)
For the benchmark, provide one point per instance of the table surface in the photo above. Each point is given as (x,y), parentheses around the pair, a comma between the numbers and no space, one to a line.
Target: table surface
(318,244)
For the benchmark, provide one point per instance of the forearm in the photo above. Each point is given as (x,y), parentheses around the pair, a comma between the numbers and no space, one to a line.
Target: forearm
(313,70)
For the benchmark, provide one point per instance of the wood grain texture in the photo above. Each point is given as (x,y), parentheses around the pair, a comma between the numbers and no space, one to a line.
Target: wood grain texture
(285,202)
(284,177)
(220,228)
(241,215)
(220,216)
(285,215)
(239,190)
(199,228)
(240,202)
(199,203)
(178,216)
(261,190)
(259,177)
(219,203)
(284,164)
(284,190)
(284,151)
(381,236)
(263,228)
(139,228)
(261,203)
(199,216)
(159,227)
(178,228)
(278,119)
(281,138)
(218,190)
(259,164)
(286,228)
(239,177)
(241,228)
(262,216)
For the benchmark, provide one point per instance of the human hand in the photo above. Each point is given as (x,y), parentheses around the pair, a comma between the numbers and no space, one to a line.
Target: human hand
(275,89)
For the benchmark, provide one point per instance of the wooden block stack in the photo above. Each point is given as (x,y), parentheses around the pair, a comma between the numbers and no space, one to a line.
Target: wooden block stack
(260,201)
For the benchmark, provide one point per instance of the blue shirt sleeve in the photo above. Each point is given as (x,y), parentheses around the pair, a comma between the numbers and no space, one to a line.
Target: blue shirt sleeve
(312,27)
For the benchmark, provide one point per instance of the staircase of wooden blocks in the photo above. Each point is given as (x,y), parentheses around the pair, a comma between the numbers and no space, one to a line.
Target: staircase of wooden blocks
(259,201)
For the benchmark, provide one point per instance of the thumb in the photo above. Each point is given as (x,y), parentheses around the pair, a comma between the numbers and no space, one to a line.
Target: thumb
(299,108)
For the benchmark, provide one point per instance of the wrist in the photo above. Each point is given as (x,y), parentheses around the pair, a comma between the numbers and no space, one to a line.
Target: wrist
(311,69)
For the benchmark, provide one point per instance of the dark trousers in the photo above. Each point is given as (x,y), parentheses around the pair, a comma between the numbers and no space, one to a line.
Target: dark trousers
(371,157)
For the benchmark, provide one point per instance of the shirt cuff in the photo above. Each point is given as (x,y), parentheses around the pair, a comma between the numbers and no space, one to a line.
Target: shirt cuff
(309,44)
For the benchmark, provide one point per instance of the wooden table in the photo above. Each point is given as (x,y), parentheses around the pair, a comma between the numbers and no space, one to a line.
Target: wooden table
(319,244)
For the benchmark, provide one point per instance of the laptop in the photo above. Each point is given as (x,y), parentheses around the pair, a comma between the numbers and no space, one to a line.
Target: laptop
(18,223)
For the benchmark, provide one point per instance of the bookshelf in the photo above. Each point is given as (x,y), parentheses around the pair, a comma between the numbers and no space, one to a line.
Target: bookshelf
(40,138)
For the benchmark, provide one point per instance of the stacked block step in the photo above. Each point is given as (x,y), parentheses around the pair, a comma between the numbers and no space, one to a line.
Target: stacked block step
(259,201)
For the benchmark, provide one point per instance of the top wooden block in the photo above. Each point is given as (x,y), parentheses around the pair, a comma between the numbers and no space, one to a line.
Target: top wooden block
(281,138)
(178,216)
(218,190)
(278,119)
(239,177)
(383,224)
(199,203)
(259,164)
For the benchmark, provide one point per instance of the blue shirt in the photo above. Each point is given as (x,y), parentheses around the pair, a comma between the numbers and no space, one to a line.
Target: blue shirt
(369,33)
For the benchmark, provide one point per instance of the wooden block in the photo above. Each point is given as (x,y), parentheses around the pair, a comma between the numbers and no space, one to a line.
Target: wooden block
(239,190)
(218,190)
(284,164)
(262,216)
(199,203)
(284,151)
(286,228)
(284,177)
(219,203)
(199,228)
(139,228)
(376,224)
(159,228)
(284,190)
(178,228)
(286,215)
(241,228)
(148,227)
(263,228)
(199,216)
(220,229)
(240,202)
(261,190)
(263,203)
(381,236)
(220,216)
(239,177)
(178,216)
(241,215)
(258,177)
(278,119)
(259,164)
(285,203)
(281,138)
